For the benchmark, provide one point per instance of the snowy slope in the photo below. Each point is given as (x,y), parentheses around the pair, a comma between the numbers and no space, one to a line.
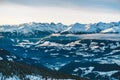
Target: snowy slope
(77,27)
(13,67)
(29,27)
(36,28)
(92,28)
(115,29)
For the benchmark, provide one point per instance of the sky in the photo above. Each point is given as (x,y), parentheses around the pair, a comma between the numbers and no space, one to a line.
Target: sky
(64,11)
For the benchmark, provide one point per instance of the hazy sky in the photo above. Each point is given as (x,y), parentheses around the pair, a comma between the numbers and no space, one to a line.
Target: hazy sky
(65,11)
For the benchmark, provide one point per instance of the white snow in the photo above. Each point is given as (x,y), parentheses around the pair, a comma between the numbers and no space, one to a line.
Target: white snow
(113,29)
(76,69)
(109,73)
(54,54)
(30,27)
(73,43)
(77,27)
(10,59)
(13,78)
(87,70)
(1,58)
(47,43)
(0,76)
(33,77)
(27,28)
(25,44)
(114,51)
(28,77)
(117,61)
(84,54)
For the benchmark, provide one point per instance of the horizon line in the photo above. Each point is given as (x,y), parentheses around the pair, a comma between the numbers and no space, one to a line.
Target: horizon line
(57,23)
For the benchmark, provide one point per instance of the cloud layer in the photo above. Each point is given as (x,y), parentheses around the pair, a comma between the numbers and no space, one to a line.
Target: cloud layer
(113,5)
(65,11)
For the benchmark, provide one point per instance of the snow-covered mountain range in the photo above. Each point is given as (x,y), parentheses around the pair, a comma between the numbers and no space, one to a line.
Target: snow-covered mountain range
(36,29)
(93,54)
(89,56)
(30,27)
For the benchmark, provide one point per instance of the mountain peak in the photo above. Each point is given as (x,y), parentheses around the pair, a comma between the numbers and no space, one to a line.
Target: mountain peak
(34,28)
